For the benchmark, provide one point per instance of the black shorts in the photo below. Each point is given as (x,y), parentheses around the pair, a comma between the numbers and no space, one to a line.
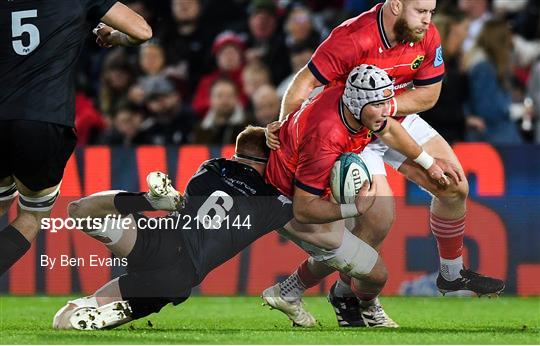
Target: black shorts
(35,152)
(159,271)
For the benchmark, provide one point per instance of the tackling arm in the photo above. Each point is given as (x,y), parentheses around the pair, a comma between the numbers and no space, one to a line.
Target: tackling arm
(310,208)
(298,91)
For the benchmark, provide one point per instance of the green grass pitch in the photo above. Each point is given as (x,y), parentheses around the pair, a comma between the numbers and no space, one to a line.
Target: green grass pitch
(242,320)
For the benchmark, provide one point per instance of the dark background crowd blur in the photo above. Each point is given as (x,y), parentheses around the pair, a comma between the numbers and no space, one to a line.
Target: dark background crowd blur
(215,66)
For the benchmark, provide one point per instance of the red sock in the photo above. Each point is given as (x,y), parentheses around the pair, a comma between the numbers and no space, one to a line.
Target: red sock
(449,235)
(364,296)
(308,278)
(345,278)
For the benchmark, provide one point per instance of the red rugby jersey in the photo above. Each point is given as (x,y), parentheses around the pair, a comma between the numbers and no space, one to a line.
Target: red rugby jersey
(362,40)
(312,138)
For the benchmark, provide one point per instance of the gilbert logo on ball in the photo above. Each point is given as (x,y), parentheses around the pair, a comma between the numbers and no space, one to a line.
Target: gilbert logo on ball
(347,176)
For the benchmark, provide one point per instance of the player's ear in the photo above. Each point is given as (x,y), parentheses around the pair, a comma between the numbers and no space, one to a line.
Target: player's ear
(396,7)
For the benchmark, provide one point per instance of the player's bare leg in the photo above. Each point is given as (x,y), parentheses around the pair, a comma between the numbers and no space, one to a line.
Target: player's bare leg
(8,193)
(161,196)
(15,239)
(447,221)
(106,307)
(286,296)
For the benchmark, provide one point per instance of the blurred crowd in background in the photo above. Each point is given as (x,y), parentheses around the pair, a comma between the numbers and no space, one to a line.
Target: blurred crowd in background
(215,66)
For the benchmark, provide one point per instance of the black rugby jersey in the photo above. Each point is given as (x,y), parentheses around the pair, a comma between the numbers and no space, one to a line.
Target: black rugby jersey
(40,42)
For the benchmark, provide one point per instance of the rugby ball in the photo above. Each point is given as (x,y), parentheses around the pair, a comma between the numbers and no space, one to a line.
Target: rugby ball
(347,176)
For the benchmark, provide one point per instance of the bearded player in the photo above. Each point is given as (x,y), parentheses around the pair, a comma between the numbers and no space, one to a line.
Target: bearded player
(397,36)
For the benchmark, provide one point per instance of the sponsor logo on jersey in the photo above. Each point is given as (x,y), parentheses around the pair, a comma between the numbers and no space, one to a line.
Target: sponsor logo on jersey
(417,62)
(403,85)
(438,57)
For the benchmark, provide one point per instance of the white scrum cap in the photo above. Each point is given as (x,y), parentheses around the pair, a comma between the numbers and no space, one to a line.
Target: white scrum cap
(366,84)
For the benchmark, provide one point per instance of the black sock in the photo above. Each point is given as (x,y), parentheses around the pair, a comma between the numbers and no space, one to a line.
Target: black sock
(13,245)
(131,202)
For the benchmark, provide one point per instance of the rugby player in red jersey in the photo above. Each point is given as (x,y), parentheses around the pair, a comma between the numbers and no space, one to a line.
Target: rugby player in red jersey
(343,118)
(398,37)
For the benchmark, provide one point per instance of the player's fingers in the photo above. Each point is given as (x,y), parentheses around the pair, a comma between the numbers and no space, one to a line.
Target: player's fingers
(273,141)
(103,31)
(444,181)
(373,188)
(100,42)
(453,175)
(436,175)
(364,189)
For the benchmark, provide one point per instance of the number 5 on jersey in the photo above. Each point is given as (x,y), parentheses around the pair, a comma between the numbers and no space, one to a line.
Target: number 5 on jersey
(18,29)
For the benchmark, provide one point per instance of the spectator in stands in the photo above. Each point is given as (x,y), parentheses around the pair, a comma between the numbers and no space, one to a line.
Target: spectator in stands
(300,55)
(125,126)
(170,121)
(189,40)
(151,59)
(489,70)
(225,119)
(479,12)
(228,49)
(447,116)
(254,76)
(151,63)
(117,77)
(266,104)
(299,28)
(266,42)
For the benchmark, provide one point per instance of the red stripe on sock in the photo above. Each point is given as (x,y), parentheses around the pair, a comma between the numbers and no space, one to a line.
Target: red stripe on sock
(445,226)
(449,232)
(308,278)
(447,221)
(449,235)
